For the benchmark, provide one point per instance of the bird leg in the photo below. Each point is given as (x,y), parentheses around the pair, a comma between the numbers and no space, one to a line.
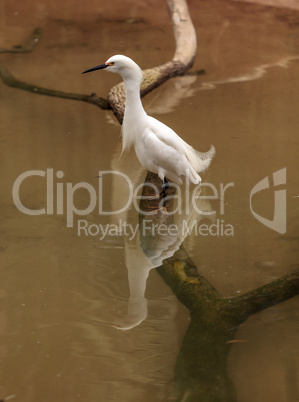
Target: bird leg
(165,186)
(162,195)
(162,208)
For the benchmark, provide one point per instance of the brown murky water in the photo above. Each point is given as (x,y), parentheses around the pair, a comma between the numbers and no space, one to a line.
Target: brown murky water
(61,288)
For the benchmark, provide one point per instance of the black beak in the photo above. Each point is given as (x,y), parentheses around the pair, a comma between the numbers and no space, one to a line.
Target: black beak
(100,67)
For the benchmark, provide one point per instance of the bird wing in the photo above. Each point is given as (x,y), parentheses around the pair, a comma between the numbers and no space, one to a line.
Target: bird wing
(164,159)
(199,161)
(166,134)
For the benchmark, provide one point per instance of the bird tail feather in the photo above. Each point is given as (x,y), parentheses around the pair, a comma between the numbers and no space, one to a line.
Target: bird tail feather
(200,161)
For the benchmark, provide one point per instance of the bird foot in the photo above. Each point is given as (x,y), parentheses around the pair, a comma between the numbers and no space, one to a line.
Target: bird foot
(160,208)
(151,196)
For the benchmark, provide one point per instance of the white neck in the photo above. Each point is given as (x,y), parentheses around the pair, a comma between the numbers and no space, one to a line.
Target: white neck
(135,116)
(133,104)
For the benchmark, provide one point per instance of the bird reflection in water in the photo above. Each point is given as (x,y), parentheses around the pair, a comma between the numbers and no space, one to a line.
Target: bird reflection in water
(159,237)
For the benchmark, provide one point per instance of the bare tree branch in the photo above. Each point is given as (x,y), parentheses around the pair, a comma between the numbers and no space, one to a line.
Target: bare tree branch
(184,32)
(183,59)
(11,81)
(185,38)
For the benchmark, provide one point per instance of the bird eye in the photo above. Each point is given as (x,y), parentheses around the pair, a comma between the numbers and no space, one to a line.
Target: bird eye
(111,63)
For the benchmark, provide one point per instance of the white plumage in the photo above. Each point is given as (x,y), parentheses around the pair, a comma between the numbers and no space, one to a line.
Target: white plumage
(158,148)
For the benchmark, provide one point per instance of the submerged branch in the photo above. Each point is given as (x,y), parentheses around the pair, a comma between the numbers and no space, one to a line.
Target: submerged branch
(193,290)
(11,81)
(34,40)
(268,295)
(201,366)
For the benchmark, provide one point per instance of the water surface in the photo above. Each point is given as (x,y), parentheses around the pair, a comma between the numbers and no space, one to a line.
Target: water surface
(61,292)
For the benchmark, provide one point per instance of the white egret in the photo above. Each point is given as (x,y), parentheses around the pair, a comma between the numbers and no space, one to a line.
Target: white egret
(158,148)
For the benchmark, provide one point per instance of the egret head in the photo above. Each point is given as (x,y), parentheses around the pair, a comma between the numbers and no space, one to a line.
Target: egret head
(122,65)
